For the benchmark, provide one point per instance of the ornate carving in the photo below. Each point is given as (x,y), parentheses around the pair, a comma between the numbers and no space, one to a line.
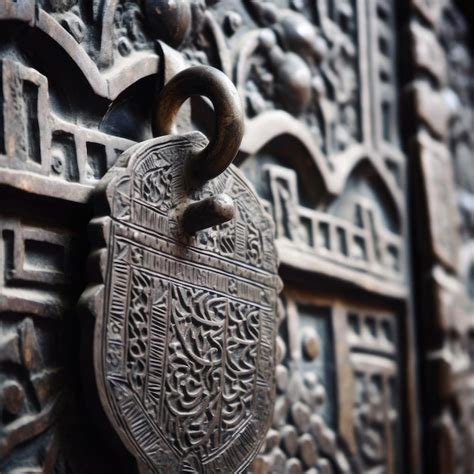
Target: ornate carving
(302,436)
(320,85)
(459,95)
(377,388)
(36,290)
(355,235)
(37,140)
(315,369)
(184,354)
(358,238)
(305,69)
(446,171)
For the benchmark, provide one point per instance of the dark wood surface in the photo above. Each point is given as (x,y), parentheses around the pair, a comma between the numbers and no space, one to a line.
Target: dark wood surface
(358,139)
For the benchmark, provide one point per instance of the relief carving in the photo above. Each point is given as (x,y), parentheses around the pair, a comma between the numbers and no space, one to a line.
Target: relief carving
(310,430)
(307,70)
(320,86)
(446,171)
(185,332)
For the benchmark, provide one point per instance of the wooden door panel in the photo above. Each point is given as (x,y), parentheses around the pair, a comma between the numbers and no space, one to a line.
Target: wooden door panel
(358,140)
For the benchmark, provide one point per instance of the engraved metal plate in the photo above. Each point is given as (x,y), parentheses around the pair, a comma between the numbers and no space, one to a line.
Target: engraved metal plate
(185,329)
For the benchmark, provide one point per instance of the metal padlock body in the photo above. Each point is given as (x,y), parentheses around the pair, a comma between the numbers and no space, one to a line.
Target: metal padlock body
(184,343)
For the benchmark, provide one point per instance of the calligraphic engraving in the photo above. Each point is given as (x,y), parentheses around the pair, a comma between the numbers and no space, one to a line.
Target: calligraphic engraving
(185,334)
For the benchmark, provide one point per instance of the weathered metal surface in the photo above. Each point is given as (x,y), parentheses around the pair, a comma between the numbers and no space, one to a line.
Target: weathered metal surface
(351,107)
(186,317)
(228,123)
(186,326)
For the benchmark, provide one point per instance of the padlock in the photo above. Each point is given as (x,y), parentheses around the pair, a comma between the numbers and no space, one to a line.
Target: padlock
(184,289)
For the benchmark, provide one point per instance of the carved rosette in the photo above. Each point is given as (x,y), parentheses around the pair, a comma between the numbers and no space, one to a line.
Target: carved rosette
(185,330)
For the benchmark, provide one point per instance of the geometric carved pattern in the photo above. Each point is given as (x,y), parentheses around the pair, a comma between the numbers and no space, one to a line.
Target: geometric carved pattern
(35,139)
(376,382)
(186,326)
(35,286)
(314,367)
(321,90)
(363,245)
(355,234)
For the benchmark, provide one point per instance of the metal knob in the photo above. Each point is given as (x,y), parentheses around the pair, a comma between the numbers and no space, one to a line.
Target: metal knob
(222,147)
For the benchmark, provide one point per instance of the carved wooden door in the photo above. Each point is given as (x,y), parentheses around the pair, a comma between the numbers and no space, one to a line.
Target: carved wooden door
(358,142)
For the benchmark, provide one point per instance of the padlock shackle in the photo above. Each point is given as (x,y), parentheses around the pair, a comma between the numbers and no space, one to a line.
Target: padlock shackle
(229,118)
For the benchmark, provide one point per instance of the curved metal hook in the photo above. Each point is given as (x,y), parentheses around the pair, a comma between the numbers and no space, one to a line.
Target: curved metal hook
(229,120)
